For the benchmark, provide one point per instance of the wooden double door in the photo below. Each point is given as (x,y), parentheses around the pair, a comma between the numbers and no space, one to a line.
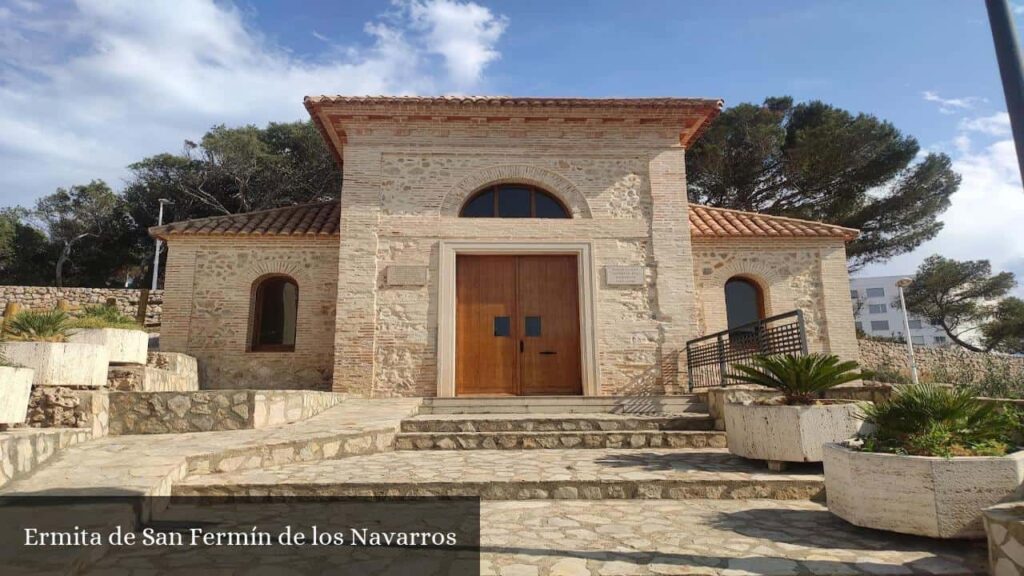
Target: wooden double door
(517,325)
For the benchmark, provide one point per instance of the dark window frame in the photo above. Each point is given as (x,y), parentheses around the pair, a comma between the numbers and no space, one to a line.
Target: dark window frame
(762,312)
(257,297)
(534,191)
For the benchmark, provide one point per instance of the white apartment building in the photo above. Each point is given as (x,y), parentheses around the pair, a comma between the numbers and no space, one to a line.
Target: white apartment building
(876,312)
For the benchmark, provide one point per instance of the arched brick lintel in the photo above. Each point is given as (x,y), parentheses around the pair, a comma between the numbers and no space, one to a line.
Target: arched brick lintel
(555,183)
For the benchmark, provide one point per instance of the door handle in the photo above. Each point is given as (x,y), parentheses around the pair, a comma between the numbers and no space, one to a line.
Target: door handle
(549,352)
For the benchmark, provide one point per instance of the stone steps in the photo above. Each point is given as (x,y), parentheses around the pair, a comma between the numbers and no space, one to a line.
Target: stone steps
(528,475)
(449,423)
(567,405)
(559,439)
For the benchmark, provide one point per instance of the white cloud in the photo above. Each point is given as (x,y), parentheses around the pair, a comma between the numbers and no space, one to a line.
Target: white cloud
(89,88)
(464,35)
(997,124)
(985,215)
(951,105)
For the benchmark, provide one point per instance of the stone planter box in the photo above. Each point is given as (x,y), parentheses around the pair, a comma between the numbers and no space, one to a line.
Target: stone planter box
(123,346)
(922,495)
(15,389)
(61,363)
(781,434)
(1004,525)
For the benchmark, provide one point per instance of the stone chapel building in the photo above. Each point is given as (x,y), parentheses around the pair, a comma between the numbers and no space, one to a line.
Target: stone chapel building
(494,245)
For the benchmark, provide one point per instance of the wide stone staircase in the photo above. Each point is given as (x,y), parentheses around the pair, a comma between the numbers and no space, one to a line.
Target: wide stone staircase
(537,448)
(559,423)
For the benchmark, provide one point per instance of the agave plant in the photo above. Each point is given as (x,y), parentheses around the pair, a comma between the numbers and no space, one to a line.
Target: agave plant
(36,326)
(801,379)
(103,316)
(930,420)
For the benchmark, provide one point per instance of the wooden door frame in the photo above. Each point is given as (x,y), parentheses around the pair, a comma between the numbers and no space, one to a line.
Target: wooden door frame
(449,249)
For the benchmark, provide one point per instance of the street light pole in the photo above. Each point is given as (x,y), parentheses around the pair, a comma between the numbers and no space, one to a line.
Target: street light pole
(1011,69)
(901,284)
(156,256)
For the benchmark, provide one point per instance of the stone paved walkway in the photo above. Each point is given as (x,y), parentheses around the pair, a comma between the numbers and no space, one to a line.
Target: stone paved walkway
(618,538)
(150,464)
(706,537)
(500,474)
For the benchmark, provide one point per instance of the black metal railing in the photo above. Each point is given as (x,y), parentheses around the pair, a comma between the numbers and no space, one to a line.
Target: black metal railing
(709,359)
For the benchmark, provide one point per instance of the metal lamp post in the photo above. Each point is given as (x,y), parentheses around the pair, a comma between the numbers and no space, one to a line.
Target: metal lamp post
(1011,69)
(156,256)
(901,284)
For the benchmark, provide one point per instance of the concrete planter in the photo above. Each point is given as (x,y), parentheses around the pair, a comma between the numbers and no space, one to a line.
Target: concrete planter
(124,346)
(1004,525)
(61,363)
(788,433)
(15,389)
(927,496)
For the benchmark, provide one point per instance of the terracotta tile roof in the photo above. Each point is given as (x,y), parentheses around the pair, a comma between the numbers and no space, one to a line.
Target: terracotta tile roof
(666,102)
(322,219)
(710,222)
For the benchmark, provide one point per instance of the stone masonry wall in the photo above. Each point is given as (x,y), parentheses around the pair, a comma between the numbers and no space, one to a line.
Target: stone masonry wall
(611,198)
(937,363)
(179,412)
(805,274)
(208,309)
(46,297)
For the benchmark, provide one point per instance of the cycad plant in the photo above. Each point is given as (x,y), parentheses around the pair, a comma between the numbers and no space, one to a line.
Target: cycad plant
(930,420)
(801,379)
(37,326)
(103,316)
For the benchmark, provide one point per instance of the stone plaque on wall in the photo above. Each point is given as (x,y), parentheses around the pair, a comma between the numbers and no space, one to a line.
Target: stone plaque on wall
(407,275)
(624,275)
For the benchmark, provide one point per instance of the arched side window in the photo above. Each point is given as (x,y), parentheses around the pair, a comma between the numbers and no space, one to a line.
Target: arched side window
(275,312)
(513,201)
(744,302)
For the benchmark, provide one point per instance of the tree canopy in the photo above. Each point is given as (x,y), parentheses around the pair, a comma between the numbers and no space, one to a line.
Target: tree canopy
(819,162)
(87,235)
(969,303)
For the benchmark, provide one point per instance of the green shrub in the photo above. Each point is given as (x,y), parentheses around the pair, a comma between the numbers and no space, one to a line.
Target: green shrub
(886,373)
(929,420)
(801,379)
(104,316)
(36,326)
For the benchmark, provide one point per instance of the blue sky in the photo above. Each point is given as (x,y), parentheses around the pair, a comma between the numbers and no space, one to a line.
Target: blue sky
(87,87)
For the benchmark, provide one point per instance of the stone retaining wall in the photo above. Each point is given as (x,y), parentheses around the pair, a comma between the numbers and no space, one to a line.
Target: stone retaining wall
(23,450)
(164,372)
(212,410)
(46,297)
(951,364)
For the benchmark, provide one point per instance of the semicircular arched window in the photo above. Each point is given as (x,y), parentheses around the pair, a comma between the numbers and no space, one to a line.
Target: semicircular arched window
(744,302)
(275,312)
(513,201)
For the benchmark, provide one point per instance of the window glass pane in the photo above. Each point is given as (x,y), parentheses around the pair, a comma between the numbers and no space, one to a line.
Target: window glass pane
(533,326)
(940,339)
(513,202)
(502,326)
(875,292)
(876,308)
(880,325)
(853,294)
(917,339)
(480,207)
(858,326)
(742,303)
(915,324)
(278,301)
(548,207)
